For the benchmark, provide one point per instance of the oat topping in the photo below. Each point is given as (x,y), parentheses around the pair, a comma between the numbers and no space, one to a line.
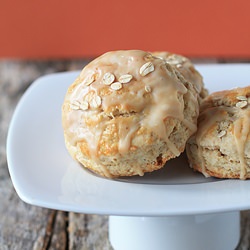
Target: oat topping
(84,105)
(147,88)
(146,68)
(222,133)
(148,57)
(241,98)
(90,79)
(159,57)
(108,78)
(75,105)
(173,61)
(125,78)
(176,59)
(116,86)
(96,101)
(241,104)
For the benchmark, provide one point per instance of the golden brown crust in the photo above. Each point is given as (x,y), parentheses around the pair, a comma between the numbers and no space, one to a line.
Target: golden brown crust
(220,147)
(227,98)
(128,113)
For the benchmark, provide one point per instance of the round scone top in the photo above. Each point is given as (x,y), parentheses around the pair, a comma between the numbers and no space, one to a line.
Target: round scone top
(221,145)
(127,113)
(187,69)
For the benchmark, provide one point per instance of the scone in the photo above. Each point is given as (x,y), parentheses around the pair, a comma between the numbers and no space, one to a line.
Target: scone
(127,113)
(187,69)
(221,145)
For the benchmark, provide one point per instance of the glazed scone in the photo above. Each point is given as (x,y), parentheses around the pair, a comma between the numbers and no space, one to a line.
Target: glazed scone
(187,69)
(221,145)
(127,113)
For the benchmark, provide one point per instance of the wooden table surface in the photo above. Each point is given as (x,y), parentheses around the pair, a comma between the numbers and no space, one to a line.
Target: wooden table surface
(23,226)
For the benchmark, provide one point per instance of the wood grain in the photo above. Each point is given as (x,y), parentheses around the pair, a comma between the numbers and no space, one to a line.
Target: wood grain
(23,226)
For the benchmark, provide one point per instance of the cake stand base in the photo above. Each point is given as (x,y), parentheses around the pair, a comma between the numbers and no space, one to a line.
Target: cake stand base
(220,231)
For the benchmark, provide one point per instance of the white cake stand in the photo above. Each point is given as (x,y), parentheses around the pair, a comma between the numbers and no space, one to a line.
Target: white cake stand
(212,231)
(173,208)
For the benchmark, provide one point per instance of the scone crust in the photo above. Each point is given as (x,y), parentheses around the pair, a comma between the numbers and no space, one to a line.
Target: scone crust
(220,147)
(127,113)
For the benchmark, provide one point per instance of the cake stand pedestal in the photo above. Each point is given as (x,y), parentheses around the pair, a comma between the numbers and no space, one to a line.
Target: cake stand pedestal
(217,231)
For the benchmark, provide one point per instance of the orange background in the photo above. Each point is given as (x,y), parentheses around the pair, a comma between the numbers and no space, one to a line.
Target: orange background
(86,28)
